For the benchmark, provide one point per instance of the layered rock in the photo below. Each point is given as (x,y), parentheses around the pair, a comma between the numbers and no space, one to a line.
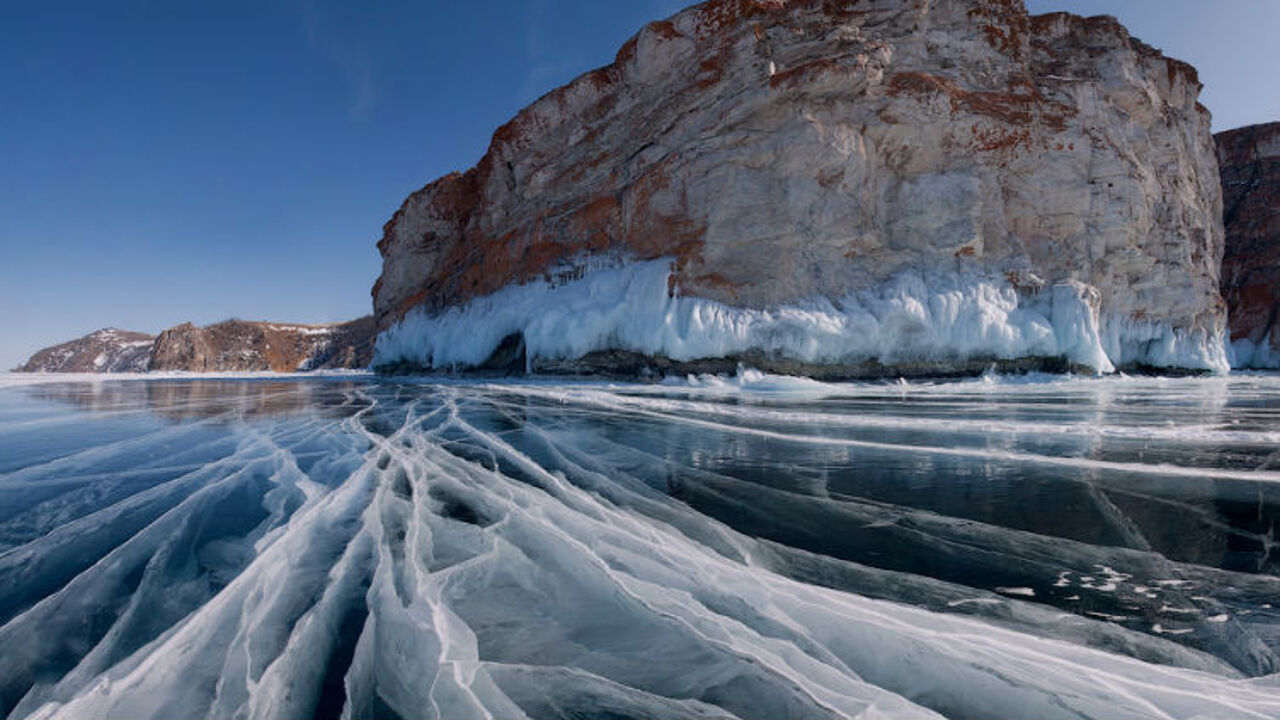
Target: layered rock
(237,345)
(231,346)
(1249,160)
(105,351)
(867,183)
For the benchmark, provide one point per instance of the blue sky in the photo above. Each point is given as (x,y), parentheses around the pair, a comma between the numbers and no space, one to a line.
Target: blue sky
(172,160)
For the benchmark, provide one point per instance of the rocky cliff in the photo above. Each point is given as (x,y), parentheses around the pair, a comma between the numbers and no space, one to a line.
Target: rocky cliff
(237,345)
(107,350)
(234,345)
(1249,160)
(859,184)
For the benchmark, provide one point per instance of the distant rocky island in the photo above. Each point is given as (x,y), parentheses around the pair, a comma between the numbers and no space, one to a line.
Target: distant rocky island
(233,345)
(839,190)
(108,350)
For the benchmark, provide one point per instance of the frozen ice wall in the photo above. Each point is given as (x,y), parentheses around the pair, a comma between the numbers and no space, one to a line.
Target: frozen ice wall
(914,317)
(1256,357)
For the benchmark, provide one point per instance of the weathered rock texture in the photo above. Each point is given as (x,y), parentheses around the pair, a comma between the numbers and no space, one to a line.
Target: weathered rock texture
(106,350)
(1249,159)
(778,150)
(236,345)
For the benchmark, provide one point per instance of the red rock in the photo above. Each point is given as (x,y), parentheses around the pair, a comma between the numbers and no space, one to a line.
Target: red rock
(1249,160)
(237,345)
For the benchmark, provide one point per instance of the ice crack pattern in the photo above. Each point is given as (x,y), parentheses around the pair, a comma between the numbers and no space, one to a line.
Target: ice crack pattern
(749,547)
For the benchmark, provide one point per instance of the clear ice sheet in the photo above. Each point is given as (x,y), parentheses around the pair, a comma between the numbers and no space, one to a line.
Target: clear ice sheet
(751,546)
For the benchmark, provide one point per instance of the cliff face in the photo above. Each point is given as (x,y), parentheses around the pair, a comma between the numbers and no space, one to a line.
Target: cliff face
(107,350)
(1249,160)
(935,163)
(230,346)
(236,345)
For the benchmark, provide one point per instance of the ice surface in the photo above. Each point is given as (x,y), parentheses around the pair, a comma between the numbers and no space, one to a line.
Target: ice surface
(912,317)
(14,379)
(747,546)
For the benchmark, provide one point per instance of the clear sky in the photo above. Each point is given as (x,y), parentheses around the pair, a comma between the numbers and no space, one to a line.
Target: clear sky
(172,160)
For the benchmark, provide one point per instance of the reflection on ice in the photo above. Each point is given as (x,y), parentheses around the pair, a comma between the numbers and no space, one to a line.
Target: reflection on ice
(752,547)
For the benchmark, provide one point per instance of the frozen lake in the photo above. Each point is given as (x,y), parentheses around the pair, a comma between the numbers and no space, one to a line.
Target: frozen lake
(752,547)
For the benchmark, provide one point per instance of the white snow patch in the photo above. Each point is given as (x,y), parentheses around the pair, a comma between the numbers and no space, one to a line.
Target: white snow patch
(1161,630)
(1018,591)
(303,329)
(751,380)
(909,318)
